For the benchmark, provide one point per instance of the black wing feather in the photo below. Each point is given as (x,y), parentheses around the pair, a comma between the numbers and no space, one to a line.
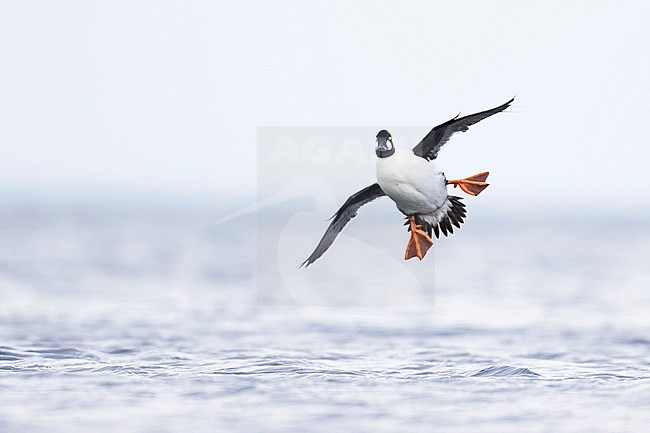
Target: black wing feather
(431,144)
(342,217)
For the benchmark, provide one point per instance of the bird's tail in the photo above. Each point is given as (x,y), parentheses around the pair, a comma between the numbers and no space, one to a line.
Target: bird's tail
(451,214)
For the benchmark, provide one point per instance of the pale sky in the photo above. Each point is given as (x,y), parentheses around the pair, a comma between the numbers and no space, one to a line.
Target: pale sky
(160,97)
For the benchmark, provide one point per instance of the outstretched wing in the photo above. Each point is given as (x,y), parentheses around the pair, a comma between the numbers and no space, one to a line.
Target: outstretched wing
(342,217)
(431,144)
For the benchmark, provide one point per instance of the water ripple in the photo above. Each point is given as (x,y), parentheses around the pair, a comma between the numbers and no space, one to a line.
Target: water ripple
(505,371)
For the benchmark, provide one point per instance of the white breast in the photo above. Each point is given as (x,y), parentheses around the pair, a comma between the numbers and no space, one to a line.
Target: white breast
(413,183)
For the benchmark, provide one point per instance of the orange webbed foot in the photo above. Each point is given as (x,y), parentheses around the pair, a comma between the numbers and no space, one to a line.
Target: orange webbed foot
(419,243)
(472,185)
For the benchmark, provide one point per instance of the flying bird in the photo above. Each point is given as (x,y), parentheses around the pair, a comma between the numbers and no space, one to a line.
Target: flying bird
(413,180)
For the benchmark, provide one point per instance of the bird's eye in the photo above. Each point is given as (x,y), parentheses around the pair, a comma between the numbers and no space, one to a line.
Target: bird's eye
(390,138)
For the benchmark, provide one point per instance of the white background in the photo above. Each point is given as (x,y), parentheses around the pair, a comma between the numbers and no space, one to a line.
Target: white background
(160,97)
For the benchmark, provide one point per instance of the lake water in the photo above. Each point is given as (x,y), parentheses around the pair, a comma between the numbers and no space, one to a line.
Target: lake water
(153,320)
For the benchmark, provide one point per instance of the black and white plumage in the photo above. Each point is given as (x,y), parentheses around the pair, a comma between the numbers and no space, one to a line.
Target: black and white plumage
(413,181)
(439,136)
(342,217)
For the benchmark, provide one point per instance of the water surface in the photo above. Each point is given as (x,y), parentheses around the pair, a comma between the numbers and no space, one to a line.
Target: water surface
(150,320)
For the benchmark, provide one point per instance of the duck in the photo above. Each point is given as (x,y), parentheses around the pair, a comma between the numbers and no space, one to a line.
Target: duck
(413,180)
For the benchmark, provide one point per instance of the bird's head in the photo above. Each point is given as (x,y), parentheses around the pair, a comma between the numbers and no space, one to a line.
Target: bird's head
(385,146)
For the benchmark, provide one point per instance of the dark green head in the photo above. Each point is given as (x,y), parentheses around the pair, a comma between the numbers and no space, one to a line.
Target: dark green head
(385,146)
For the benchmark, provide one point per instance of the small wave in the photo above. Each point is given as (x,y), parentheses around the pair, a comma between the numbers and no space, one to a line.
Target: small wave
(545,355)
(612,376)
(8,368)
(62,353)
(149,370)
(9,358)
(9,354)
(636,341)
(120,351)
(505,371)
